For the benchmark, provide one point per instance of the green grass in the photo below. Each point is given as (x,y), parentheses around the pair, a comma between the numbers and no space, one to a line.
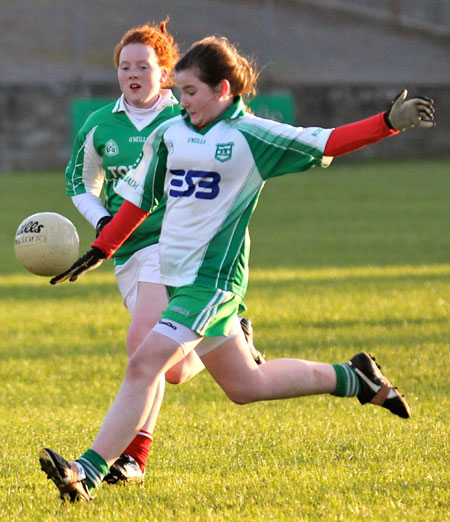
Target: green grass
(348,259)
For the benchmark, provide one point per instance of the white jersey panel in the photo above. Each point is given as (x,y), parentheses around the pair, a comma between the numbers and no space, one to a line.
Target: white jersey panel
(92,172)
(212,180)
(207,176)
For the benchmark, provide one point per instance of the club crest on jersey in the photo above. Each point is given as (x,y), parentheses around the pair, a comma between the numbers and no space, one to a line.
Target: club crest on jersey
(111,148)
(224,151)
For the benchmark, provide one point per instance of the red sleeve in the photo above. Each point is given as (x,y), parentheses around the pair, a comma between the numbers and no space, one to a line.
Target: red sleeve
(353,136)
(120,228)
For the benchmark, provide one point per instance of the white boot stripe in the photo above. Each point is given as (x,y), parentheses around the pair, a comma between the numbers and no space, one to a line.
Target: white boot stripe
(374,387)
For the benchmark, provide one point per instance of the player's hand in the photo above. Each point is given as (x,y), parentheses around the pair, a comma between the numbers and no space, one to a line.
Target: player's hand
(90,261)
(102,222)
(416,112)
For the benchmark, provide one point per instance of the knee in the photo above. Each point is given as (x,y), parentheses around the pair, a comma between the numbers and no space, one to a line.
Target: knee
(181,372)
(184,370)
(145,362)
(175,376)
(136,370)
(240,395)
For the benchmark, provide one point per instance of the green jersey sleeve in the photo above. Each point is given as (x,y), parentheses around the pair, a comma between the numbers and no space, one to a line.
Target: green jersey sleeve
(280,149)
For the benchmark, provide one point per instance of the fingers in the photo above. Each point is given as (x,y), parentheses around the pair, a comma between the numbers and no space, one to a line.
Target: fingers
(425,98)
(74,270)
(425,111)
(58,279)
(425,105)
(90,261)
(77,272)
(426,124)
(89,264)
(415,112)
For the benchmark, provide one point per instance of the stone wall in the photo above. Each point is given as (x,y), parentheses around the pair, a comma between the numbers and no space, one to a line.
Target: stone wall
(331,106)
(36,123)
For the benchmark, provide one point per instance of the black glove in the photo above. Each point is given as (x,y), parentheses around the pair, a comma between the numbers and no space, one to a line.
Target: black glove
(102,222)
(90,261)
(416,112)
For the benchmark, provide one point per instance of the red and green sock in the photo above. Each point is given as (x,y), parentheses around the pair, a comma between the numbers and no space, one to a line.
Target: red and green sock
(96,468)
(139,448)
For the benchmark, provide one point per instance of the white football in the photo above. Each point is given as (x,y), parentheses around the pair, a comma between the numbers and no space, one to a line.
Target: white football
(46,243)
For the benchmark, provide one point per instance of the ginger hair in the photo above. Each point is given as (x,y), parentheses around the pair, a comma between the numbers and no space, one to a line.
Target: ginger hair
(157,37)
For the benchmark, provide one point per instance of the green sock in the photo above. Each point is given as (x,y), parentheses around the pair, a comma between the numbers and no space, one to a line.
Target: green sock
(347,381)
(95,467)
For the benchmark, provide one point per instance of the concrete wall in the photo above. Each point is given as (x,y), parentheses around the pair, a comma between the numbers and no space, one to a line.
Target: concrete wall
(340,65)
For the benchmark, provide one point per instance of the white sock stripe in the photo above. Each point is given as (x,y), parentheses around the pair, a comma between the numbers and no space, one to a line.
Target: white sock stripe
(93,478)
(346,373)
(91,472)
(349,382)
(352,384)
(146,434)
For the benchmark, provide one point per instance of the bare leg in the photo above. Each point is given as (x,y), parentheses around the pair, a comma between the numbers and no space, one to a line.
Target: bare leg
(136,395)
(151,302)
(244,381)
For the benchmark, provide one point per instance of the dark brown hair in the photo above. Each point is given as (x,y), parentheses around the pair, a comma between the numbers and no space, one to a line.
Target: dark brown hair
(156,37)
(216,59)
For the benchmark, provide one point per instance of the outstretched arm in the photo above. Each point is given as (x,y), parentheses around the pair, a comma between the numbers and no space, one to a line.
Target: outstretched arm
(416,112)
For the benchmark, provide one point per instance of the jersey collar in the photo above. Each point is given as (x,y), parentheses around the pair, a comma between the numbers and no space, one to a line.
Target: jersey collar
(235,111)
(167,99)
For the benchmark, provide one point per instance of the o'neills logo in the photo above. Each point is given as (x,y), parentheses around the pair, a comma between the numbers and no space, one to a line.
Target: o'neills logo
(30,227)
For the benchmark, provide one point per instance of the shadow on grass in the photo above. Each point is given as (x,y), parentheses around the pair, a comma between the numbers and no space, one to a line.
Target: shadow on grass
(279,277)
(69,291)
(288,278)
(371,323)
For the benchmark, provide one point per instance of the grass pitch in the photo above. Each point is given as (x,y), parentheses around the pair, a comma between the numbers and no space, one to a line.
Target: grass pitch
(352,258)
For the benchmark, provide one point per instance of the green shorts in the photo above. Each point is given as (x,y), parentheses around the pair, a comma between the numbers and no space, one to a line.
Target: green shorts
(205,310)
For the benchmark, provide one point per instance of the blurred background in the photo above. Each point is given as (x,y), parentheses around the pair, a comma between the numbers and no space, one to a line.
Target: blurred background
(324,63)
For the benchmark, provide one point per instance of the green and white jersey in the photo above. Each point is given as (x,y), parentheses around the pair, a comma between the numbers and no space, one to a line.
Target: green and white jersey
(212,180)
(105,149)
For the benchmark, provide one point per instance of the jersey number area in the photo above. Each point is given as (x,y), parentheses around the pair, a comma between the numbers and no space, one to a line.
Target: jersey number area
(207,186)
